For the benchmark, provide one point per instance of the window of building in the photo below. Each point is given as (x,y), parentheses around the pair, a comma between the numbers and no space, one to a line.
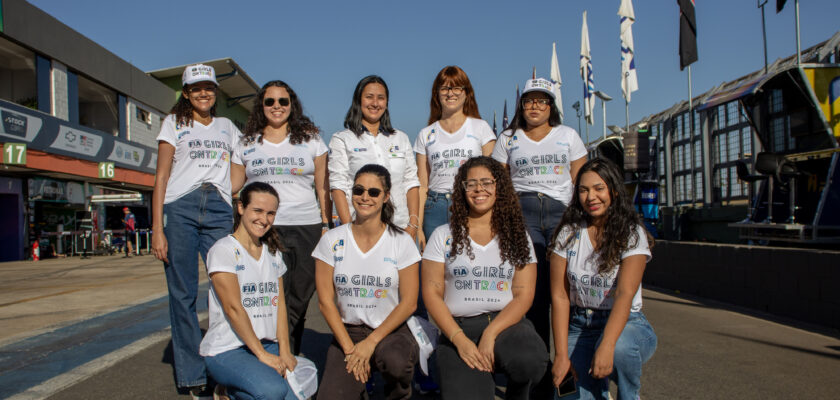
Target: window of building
(734,148)
(98,106)
(143,115)
(776,104)
(689,190)
(698,186)
(721,116)
(777,132)
(698,155)
(746,139)
(733,113)
(721,142)
(661,162)
(663,192)
(18,81)
(735,186)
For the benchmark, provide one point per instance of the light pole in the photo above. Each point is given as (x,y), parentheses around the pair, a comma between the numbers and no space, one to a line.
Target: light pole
(576,106)
(761,4)
(604,99)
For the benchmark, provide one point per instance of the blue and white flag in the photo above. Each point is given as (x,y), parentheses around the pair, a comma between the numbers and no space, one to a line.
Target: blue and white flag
(586,74)
(556,80)
(629,81)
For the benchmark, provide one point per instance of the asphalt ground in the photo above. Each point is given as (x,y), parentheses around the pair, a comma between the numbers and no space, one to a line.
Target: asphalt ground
(98,329)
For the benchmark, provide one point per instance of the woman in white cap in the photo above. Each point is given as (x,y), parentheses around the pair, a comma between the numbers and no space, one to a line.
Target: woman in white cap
(191,206)
(367,280)
(543,157)
(281,146)
(369,138)
(246,347)
(455,134)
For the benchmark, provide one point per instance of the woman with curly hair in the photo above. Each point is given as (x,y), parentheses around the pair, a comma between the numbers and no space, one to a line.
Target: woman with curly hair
(479,273)
(191,204)
(599,257)
(281,147)
(366,273)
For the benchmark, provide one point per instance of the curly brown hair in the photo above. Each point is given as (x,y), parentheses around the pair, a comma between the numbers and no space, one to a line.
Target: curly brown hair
(301,128)
(506,222)
(183,109)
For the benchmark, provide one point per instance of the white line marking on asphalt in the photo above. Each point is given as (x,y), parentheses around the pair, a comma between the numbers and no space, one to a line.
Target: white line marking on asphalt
(93,367)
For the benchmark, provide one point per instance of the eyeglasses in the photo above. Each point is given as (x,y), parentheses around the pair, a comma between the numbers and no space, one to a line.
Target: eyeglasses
(359,190)
(199,89)
(541,103)
(283,101)
(473,185)
(456,90)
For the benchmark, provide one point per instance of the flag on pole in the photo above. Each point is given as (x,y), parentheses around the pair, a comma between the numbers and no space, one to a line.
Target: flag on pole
(629,81)
(780,4)
(517,97)
(688,33)
(504,117)
(556,80)
(586,74)
(495,131)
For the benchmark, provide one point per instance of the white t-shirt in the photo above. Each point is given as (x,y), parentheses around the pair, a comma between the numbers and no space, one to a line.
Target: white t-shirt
(290,169)
(202,154)
(349,153)
(588,288)
(445,151)
(543,166)
(258,291)
(366,284)
(473,287)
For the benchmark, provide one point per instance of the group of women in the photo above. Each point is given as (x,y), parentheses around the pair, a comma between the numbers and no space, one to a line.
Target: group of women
(534,231)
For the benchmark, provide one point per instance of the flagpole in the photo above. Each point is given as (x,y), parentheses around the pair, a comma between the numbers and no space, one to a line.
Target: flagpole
(689,91)
(798,45)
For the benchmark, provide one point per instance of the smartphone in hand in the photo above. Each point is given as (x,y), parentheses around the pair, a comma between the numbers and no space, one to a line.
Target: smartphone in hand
(568,385)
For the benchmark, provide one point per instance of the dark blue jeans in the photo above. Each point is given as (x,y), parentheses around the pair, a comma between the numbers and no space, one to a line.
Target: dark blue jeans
(542,214)
(192,224)
(246,377)
(634,347)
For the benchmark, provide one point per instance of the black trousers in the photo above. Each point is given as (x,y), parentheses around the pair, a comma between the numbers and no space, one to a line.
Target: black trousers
(394,357)
(519,354)
(299,280)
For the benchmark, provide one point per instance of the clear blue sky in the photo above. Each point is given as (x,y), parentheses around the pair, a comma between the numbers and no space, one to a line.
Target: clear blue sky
(323,48)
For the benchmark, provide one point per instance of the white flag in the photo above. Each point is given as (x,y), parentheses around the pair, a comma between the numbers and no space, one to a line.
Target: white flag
(629,81)
(586,74)
(556,80)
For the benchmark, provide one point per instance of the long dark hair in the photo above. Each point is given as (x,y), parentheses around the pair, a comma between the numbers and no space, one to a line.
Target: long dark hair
(271,238)
(457,77)
(301,128)
(518,121)
(353,119)
(506,222)
(387,214)
(619,232)
(183,109)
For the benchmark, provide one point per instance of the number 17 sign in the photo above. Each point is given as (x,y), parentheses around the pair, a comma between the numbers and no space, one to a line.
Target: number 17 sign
(14,153)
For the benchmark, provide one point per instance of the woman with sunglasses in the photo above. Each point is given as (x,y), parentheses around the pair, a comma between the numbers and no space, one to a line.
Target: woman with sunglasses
(455,134)
(191,204)
(597,264)
(369,138)
(282,147)
(479,273)
(247,343)
(367,282)
(543,157)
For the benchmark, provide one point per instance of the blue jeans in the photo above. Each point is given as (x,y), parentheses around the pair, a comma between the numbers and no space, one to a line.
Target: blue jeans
(542,214)
(634,347)
(192,224)
(435,211)
(246,377)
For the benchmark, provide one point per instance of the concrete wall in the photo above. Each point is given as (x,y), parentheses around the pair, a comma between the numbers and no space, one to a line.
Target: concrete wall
(142,132)
(802,284)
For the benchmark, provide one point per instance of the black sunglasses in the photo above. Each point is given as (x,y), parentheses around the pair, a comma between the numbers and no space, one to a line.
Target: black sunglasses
(283,101)
(372,192)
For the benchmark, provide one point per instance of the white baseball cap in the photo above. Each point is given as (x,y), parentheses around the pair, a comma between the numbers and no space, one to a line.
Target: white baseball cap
(198,73)
(304,379)
(426,336)
(539,85)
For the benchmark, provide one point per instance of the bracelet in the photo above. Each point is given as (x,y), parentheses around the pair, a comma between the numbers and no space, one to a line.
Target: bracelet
(413,215)
(452,336)
(414,226)
(325,225)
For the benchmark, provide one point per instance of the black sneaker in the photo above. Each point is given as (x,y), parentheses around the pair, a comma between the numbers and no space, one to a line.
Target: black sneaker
(201,393)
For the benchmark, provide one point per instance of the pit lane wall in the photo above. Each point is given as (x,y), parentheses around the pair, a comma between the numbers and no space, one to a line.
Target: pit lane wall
(802,284)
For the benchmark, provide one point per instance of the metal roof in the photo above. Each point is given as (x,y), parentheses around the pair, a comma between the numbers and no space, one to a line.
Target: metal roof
(233,81)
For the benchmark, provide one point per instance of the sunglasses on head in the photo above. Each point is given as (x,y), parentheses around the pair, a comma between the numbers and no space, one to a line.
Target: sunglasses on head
(372,192)
(283,101)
